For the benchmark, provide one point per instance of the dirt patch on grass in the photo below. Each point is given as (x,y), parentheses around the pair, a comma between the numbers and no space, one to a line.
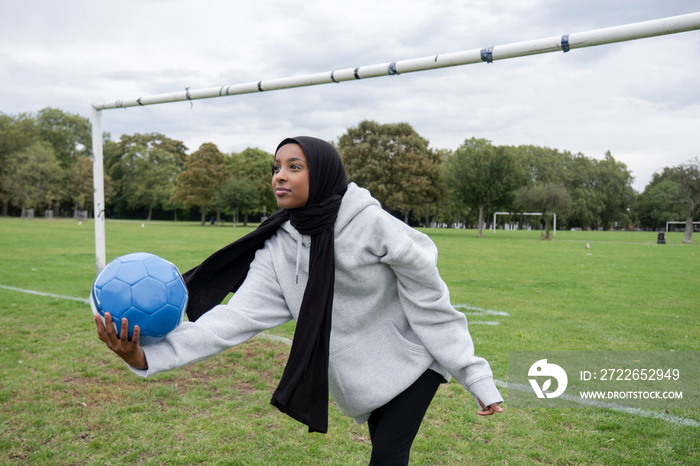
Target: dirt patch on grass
(250,368)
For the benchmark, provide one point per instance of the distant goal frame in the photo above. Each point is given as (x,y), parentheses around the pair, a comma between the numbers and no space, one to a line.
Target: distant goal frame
(680,223)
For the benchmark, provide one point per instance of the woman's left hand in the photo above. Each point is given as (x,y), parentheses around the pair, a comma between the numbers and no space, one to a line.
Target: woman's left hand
(489,410)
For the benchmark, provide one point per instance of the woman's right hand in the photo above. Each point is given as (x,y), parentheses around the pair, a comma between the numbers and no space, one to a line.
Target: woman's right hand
(489,410)
(130,351)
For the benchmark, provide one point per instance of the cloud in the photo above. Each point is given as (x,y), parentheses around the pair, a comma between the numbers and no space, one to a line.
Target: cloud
(637,99)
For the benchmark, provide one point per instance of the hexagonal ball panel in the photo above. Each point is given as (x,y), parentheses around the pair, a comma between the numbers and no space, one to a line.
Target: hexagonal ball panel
(177,293)
(149,295)
(115,298)
(132,272)
(161,269)
(165,320)
(136,317)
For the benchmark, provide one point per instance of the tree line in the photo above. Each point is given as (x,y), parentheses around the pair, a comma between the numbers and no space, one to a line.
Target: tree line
(45,164)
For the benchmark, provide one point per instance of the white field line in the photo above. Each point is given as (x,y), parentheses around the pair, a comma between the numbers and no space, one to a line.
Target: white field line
(50,295)
(480,311)
(500,383)
(606,405)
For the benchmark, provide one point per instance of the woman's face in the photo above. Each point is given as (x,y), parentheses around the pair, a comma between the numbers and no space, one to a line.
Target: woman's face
(290,177)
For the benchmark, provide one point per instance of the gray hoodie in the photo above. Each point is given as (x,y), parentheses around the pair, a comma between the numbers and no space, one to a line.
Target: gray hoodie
(392,318)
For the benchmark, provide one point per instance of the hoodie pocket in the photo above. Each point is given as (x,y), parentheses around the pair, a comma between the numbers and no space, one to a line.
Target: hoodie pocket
(374,369)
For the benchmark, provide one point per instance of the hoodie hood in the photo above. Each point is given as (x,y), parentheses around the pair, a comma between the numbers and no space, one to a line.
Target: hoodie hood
(355,200)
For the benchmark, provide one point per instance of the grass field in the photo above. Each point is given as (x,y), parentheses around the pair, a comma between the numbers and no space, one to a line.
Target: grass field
(65,399)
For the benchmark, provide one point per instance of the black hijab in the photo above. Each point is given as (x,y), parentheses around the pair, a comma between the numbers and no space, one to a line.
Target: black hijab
(303,390)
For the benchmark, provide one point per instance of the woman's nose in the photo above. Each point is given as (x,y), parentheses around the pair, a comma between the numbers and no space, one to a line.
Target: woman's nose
(279,175)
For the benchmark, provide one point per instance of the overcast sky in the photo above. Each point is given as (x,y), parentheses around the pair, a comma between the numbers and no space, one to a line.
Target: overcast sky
(640,99)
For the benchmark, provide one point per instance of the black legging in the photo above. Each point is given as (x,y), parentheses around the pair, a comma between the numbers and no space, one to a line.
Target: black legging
(393,427)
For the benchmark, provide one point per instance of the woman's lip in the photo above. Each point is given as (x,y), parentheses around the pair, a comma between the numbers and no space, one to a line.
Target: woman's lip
(282,191)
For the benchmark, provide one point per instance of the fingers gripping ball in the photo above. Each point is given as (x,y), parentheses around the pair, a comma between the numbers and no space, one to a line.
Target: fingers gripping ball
(146,289)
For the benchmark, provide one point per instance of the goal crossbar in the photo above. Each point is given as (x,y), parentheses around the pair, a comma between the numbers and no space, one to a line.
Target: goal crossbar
(559,43)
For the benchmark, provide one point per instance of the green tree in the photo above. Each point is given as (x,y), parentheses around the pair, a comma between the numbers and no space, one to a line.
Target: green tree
(70,135)
(543,164)
(394,163)
(601,190)
(34,178)
(175,148)
(483,176)
(81,185)
(613,190)
(448,211)
(581,185)
(255,165)
(548,198)
(241,195)
(198,184)
(143,168)
(687,177)
(16,133)
(657,204)
(152,176)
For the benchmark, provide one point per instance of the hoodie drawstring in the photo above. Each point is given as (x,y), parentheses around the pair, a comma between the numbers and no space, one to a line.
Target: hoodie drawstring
(298,258)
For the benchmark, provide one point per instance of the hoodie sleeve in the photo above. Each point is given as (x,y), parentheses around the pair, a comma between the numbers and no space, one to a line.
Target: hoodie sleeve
(425,300)
(257,305)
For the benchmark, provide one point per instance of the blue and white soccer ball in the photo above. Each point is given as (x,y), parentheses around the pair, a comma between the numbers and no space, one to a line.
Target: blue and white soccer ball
(146,289)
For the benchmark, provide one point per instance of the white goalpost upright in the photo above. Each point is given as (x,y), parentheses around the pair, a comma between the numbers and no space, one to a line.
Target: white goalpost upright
(560,43)
(98,183)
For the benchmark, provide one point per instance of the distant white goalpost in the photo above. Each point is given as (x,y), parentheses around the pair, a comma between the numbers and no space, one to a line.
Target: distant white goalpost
(495,215)
(679,223)
(561,43)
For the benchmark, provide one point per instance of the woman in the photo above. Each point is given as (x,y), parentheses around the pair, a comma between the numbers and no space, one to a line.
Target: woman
(374,323)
